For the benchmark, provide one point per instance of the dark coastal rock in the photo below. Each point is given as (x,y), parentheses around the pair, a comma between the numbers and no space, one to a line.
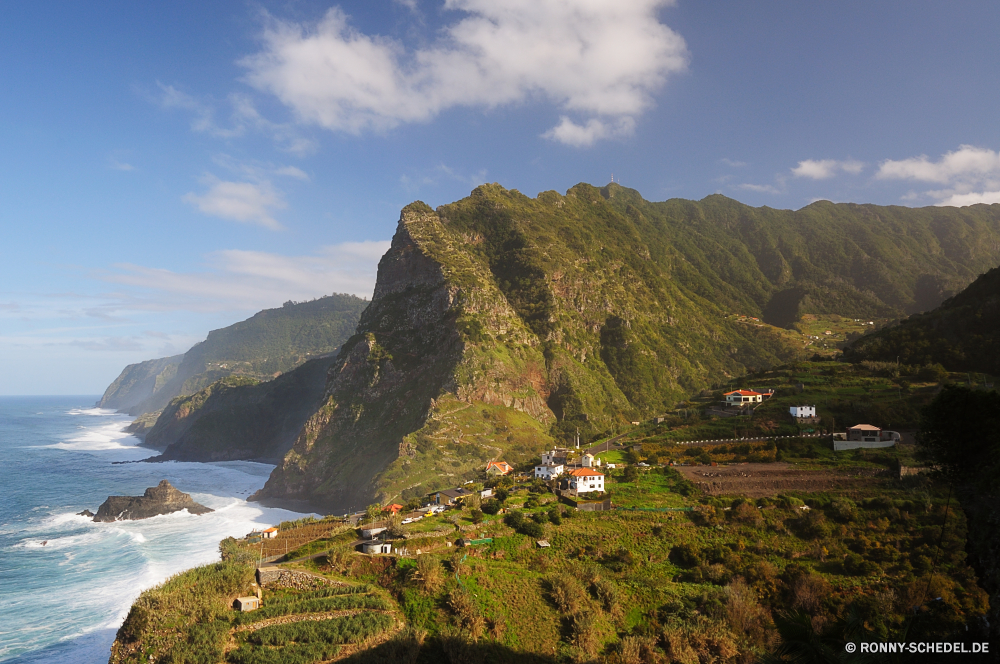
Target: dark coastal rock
(85,513)
(160,499)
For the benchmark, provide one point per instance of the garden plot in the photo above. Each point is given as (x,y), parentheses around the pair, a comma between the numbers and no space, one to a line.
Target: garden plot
(756,480)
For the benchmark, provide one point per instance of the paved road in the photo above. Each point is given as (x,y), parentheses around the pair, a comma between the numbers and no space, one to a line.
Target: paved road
(605,446)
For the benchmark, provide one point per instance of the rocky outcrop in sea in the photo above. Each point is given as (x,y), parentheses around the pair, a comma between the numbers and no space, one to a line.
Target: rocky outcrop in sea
(160,499)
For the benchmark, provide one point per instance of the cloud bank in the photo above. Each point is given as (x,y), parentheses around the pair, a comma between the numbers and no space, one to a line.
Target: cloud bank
(969,174)
(600,61)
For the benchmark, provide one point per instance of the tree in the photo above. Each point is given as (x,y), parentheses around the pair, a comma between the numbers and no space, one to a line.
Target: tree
(631,473)
(373,512)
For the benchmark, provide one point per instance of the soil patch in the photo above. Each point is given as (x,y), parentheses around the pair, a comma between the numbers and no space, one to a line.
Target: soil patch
(757,480)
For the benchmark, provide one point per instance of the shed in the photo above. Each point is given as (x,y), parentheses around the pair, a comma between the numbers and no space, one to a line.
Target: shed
(543,544)
(270,533)
(376,547)
(246,603)
(372,532)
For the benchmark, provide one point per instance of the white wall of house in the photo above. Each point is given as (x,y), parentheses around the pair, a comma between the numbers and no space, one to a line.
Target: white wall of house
(587,484)
(547,471)
(803,411)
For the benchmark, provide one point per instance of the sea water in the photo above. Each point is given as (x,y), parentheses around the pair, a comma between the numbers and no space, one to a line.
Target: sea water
(66,583)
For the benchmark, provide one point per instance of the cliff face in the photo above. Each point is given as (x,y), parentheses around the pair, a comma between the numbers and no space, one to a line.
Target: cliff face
(502,323)
(139,382)
(408,353)
(160,499)
(267,344)
(240,418)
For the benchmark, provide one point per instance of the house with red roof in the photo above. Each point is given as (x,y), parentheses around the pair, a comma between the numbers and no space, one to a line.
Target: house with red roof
(392,509)
(498,468)
(743,397)
(586,480)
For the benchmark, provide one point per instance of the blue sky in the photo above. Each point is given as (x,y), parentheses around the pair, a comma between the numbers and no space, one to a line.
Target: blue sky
(171,168)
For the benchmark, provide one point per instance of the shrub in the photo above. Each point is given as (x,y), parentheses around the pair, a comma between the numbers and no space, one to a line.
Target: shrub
(685,555)
(566,593)
(491,506)
(606,593)
(429,573)
(532,529)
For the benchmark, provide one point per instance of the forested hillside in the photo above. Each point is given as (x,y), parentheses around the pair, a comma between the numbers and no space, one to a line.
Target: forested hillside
(963,334)
(265,345)
(502,323)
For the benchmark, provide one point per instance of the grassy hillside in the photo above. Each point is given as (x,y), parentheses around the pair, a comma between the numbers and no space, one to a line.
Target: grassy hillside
(585,311)
(238,417)
(265,345)
(963,334)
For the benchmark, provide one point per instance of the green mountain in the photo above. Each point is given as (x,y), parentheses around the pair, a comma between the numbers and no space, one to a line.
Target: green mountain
(138,382)
(501,324)
(963,334)
(262,347)
(238,417)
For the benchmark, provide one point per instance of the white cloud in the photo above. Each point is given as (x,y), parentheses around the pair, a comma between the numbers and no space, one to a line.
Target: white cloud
(972,198)
(970,174)
(968,162)
(760,188)
(243,116)
(292,172)
(248,202)
(598,59)
(732,163)
(824,169)
(251,280)
(581,136)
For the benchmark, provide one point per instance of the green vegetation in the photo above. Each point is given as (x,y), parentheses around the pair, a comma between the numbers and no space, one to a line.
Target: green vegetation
(539,320)
(963,334)
(262,347)
(239,417)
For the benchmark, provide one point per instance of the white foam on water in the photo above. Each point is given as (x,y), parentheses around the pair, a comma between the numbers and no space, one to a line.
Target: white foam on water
(104,566)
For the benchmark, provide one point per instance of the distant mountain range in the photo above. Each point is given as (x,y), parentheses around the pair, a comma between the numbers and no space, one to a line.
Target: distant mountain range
(502,324)
(266,345)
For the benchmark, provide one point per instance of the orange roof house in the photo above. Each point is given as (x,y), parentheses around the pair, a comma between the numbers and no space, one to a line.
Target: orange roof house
(392,509)
(498,468)
(743,397)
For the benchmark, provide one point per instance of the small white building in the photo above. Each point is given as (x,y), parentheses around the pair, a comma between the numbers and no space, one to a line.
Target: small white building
(743,397)
(803,411)
(376,547)
(548,471)
(270,533)
(586,480)
(372,532)
(590,461)
(246,603)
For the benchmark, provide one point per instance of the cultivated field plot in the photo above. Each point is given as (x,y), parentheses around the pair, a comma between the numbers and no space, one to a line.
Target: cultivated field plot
(756,480)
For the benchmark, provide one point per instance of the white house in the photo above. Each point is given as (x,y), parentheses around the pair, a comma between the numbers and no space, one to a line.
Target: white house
(548,471)
(743,397)
(590,461)
(585,480)
(555,457)
(803,411)
(270,533)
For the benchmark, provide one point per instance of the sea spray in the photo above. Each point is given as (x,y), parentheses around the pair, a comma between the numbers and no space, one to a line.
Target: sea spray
(68,582)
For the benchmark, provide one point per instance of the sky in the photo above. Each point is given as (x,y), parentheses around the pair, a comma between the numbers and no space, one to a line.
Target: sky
(171,168)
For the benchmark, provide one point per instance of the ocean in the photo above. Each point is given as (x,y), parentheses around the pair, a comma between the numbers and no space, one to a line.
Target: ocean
(66,583)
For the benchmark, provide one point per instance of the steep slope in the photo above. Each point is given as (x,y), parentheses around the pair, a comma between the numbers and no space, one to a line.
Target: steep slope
(138,382)
(489,334)
(265,345)
(239,417)
(963,334)
(502,323)
(847,259)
